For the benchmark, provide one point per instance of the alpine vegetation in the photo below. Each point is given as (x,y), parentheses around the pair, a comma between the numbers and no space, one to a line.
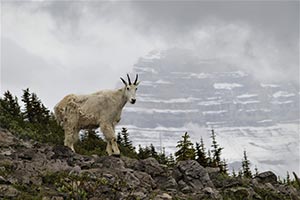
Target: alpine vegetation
(101,109)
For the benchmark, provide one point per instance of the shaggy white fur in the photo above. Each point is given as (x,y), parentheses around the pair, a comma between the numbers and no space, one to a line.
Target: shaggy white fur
(103,108)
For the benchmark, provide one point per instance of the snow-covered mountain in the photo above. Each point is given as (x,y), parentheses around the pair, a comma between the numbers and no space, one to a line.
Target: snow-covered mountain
(180,92)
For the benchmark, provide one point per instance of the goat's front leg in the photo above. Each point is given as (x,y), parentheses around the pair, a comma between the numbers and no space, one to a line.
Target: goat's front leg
(71,137)
(110,136)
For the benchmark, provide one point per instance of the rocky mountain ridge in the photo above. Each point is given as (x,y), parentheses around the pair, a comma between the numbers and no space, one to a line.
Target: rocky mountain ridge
(30,170)
(180,92)
(177,87)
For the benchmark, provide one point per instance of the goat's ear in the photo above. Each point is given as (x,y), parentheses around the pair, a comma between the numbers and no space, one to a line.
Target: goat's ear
(137,83)
(123,81)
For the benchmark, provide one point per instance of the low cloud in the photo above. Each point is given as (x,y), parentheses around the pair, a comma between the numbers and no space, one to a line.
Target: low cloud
(246,48)
(79,47)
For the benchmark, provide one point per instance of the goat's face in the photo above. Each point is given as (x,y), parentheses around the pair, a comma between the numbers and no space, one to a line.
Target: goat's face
(130,92)
(130,89)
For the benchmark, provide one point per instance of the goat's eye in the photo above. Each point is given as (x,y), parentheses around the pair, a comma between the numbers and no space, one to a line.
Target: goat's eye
(127,88)
(135,89)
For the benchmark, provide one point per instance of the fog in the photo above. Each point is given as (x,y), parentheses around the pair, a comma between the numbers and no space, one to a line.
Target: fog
(61,47)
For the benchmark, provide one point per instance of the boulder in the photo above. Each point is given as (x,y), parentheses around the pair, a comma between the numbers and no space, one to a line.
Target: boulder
(7,139)
(150,166)
(164,196)
(240,193)
(8,192)
(266,177)
(111,162)
(193,174)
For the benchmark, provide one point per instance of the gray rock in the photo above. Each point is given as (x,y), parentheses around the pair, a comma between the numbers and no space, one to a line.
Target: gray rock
(239,193)
(145,179)
(266,177)
(187,189)
(75,171)
(8,191)
(129,162)
(170,183)
(150,166)
(164,196)
(139,195)
(62,152)
(7,139)
(27,154)
(211,193)
(4,180)
(194,174)
(111,162)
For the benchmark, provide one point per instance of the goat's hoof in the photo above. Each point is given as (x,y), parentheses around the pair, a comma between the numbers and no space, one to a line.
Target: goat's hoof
(116,155)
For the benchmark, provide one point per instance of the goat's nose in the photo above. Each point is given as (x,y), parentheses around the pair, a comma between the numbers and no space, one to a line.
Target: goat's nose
(133,101)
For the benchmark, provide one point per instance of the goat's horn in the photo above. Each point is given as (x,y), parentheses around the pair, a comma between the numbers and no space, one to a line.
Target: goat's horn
(123,80)
(128,79)
(136,79)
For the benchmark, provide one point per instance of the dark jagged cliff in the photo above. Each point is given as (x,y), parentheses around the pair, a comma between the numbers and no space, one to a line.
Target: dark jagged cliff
(30,170)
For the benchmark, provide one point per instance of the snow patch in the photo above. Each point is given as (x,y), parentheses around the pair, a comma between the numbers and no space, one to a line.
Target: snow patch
(177,100)
(227,86)
(246,102)
(162,82)
(214,112)
(281,102)
(269,85)
(244,96)
(152,111)
(209,103)
(283,94)
(147,69)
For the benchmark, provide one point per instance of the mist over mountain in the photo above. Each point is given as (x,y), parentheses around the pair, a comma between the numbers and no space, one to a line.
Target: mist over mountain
(180,92)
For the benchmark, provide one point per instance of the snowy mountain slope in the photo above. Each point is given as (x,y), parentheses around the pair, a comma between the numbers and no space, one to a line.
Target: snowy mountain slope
(178,90)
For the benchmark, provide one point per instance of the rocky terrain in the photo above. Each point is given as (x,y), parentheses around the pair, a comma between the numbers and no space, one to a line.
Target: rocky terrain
(30,170)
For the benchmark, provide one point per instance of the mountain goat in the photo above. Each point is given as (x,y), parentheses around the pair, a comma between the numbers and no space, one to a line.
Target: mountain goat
(103,108)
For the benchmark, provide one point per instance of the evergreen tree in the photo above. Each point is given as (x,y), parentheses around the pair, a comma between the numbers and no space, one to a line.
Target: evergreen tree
(240,174)
(144,153)
(34,122)
(11,105)
(223,167)
(209,158)
(125,140)
(147,152)
(256,170)
(39,112)
(28,110)
(185,147)
(34,111)
(10,112)
(171,161)
(119,138)
(216,151)
(288,179)
(90,143)
(246,166)
(153,152)
(233,173)
(126,147)
(200,154)
(162,158)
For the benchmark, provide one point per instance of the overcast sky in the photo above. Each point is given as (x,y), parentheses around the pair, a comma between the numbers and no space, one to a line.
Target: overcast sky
(61,47)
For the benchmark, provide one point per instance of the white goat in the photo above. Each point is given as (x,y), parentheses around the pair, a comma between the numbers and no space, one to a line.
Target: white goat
(103,108)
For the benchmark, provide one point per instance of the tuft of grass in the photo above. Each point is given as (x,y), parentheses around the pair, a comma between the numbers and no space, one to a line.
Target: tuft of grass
(6,168)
